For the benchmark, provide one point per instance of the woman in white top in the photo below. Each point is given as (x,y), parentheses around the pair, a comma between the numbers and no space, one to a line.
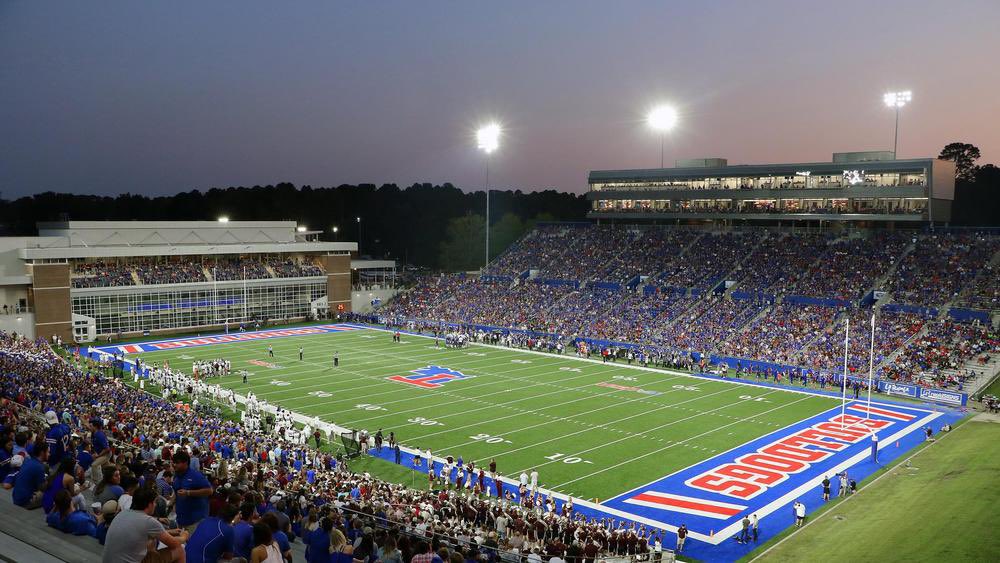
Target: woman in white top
(265,548)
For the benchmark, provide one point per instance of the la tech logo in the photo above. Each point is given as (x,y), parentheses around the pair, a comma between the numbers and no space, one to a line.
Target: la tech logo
(430,377)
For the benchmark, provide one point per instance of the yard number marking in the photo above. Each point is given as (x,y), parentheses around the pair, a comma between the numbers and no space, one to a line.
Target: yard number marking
(424,421)
(490,439)
(570,459)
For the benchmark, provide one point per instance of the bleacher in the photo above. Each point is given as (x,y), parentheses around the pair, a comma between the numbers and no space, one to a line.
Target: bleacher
(754,294)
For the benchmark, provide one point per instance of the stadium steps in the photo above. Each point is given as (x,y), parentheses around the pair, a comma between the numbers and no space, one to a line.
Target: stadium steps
(208,274)
(135,277)
(36,541)
(270,271)
(882,283)
(984,374)
(738,268)
(895,353)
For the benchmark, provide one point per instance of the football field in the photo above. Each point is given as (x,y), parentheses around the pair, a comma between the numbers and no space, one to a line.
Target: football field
(592,430)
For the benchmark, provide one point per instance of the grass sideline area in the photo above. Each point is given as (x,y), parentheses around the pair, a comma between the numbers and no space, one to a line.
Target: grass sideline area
(940,508)
(592,430)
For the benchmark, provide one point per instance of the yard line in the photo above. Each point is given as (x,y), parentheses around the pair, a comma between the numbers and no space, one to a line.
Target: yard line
(632,459)
(569,418)
(490,405)
(485,383)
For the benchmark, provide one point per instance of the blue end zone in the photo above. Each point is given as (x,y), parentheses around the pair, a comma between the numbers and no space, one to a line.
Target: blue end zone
(224,338)
(713,538)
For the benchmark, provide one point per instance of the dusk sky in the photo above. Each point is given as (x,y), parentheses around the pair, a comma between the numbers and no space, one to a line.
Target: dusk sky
(161,97)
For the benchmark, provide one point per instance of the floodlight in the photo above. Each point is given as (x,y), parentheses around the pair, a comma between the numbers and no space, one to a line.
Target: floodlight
(897,99)
(223,219)
(488,138)
(662,118)
(300,229)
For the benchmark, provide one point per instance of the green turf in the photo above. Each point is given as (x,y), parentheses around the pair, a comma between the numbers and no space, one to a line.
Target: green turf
(941,508)
(526,410)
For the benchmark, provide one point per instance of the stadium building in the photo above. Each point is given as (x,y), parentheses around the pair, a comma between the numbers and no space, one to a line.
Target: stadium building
(87,280)
(871,187)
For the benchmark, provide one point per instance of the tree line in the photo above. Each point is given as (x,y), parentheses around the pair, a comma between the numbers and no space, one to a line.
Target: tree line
(435,226)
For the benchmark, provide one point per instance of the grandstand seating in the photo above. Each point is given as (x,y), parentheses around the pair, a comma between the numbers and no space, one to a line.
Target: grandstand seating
(250,467)
(574,280)
(116,274)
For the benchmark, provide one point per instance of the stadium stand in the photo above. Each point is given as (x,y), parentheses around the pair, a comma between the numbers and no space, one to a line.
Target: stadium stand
(314,499)
(785,300)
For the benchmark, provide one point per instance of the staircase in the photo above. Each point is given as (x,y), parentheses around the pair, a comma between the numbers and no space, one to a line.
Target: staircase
(270,271)
(135,277)
(984,374)
(208,274)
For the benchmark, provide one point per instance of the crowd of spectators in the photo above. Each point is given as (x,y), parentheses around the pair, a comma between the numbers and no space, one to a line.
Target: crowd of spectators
(102,274)
(667,309)
(134,471)
(289,268)
(779,335)
(114,274)
(232,269)
(892,330)
(937,356)
(849,267)
(779,261)
(941,266)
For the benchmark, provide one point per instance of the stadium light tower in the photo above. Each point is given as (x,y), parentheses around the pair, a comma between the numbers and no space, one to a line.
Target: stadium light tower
(335,230)
(662,119)
(488,140)
(359,236)
(224,219)
(896,100)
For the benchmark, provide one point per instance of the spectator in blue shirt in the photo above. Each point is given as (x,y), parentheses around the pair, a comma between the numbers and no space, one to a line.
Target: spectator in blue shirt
(318,542)
(101,449)
(65,519)
(214,538)
(57,437)
(30,479)
(192,490)
(243,530)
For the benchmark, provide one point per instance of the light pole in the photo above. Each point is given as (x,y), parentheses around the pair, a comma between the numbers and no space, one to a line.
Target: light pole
(359,237)
(488,140)
(896,100)
(662,119)
(335,229)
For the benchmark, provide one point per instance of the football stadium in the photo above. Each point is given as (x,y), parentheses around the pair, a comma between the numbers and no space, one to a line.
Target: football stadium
(795,358)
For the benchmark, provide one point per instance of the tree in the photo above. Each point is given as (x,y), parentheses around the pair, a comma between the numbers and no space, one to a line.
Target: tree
(463,249)
(964,155)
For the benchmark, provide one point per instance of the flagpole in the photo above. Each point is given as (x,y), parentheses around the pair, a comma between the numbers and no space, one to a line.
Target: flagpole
(843,384)
(871,367)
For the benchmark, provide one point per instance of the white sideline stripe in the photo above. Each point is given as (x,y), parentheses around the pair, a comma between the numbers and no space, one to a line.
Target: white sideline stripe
(675,372)
(727,532)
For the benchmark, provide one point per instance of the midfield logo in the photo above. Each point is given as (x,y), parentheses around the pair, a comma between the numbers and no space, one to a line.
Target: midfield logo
(430,377)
